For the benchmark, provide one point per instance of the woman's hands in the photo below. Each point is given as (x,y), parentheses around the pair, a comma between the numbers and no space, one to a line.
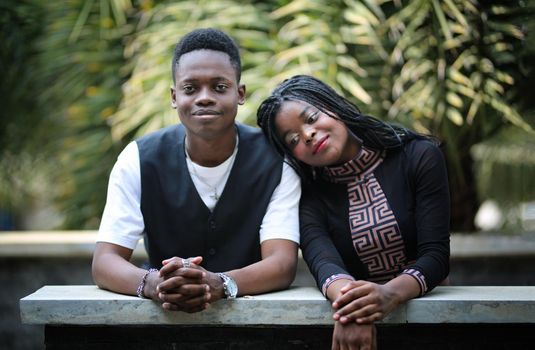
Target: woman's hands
(354,336)
(364,302)
(359,304)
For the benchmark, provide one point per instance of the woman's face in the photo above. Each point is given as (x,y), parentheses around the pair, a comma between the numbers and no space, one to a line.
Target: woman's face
(314,137)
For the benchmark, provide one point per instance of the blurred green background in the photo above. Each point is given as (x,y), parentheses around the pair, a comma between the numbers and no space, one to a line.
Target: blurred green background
(82,78)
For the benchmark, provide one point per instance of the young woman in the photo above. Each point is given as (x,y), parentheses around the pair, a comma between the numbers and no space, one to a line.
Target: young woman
(374,211)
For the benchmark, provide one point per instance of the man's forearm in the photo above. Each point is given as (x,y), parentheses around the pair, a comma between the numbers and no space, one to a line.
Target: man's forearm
(275,271)
(112,271)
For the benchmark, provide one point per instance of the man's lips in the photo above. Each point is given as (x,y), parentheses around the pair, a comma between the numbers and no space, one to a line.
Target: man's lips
(205,112)
(320,144)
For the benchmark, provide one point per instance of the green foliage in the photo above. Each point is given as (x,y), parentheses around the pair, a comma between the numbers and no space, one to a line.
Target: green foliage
(19,27)
(102,76)
(445,71)
(507,159)
(80,61)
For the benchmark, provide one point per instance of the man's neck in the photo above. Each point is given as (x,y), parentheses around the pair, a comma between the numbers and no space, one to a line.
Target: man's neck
(211,152)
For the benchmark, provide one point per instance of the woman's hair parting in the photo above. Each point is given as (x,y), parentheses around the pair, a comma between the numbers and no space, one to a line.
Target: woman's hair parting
(373,132)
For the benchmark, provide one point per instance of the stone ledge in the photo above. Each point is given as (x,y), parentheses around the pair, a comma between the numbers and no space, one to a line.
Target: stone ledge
(57,244)
(491,245)
(89,305)
(82,243)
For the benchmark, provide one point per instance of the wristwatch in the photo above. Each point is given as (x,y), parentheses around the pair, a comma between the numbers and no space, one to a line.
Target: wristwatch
(229,286)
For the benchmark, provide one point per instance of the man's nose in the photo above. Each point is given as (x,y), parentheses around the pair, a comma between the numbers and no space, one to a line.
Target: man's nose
(205,97)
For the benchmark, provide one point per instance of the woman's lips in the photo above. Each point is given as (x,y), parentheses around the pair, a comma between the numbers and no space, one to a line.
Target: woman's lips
(320,145)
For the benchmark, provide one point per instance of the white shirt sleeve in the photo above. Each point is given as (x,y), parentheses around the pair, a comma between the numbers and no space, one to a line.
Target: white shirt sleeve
(281,220)
(122,222)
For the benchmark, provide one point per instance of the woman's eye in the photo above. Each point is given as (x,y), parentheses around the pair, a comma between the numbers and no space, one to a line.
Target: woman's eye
(293,140)
(312,118)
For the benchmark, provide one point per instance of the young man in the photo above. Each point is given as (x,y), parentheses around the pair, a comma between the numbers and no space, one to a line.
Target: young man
(217,207)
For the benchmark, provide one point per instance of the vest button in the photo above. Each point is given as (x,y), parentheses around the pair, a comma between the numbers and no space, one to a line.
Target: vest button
(211,251)
(212,224)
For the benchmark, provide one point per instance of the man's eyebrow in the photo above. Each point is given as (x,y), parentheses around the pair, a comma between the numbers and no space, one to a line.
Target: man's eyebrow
(214,79)
(222,79)
(187,80)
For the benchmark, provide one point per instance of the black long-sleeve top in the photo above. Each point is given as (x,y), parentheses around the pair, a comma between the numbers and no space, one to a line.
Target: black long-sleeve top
(413,180)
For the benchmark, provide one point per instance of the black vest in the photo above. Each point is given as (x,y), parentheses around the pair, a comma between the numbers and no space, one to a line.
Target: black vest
(178,223)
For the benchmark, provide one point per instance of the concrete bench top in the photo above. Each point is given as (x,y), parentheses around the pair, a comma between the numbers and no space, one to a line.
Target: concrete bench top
(82,244)
(89,305)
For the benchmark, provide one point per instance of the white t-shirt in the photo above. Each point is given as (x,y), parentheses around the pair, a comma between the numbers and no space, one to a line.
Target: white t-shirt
(122,222)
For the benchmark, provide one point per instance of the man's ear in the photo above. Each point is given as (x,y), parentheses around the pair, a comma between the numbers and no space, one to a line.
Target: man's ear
(241,94)
(173,97)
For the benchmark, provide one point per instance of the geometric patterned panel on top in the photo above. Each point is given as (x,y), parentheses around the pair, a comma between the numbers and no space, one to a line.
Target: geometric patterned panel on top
(374,229)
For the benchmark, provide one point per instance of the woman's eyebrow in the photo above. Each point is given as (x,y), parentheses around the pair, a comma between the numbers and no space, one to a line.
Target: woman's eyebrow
(303,113)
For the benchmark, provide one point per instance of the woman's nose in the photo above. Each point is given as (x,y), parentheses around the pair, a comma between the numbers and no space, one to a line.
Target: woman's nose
(310,133)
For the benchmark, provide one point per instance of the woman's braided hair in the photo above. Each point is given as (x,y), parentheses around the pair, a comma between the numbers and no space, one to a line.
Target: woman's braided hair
(373,132)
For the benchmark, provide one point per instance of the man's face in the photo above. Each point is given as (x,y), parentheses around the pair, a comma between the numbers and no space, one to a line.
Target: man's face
(206,93)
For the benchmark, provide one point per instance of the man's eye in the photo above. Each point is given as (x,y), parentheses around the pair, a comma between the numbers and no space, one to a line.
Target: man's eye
(221,87)
(188,89)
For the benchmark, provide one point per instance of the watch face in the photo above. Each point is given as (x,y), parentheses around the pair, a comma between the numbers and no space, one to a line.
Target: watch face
(232,288)
(229,285)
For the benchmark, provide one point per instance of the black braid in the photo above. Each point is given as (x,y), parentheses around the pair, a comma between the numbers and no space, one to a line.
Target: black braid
(373,132)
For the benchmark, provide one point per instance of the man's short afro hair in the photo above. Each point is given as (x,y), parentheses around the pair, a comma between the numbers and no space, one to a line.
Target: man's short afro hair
(207,39)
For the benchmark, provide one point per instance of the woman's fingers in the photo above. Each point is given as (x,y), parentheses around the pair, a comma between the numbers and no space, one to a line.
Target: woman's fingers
(355,304)
(351,313)
(370,319)
(357,291)
(353,284)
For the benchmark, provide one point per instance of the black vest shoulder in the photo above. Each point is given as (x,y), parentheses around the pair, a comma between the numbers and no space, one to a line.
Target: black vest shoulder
(177,222)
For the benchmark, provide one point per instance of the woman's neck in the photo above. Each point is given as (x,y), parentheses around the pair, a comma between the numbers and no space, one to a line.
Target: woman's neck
(352,148)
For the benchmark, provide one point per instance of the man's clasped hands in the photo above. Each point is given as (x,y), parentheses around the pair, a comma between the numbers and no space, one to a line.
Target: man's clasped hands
(183,285)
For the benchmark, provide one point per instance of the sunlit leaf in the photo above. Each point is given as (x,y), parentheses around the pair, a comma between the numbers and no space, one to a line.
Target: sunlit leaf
(350,84)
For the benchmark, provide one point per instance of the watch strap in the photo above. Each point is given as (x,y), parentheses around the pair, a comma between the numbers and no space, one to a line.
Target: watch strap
(229,286)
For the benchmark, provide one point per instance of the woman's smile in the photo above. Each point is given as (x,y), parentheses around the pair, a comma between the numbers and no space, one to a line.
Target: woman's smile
(314,137)
(321,145)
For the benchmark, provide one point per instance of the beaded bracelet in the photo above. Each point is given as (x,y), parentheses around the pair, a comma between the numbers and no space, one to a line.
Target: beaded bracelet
(419,277)
(142,283)
(333,278)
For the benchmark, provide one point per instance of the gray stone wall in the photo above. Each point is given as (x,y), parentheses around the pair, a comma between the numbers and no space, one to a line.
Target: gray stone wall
(20,277)
(474,262)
